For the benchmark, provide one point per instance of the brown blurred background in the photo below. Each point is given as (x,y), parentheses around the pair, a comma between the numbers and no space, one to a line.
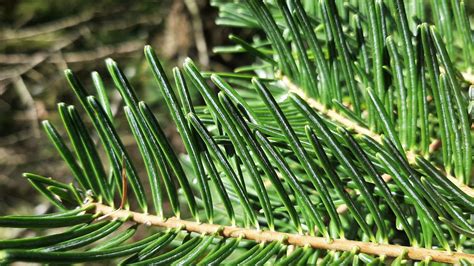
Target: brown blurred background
(39,39)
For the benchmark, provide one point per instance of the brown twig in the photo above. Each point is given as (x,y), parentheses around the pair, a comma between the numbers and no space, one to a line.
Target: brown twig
(413,253)
(72,57)
(39,59)
(103,52)
(28,101)
(46,28)
(198,30)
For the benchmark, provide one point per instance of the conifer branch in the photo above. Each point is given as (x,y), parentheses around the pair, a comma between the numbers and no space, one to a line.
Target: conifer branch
(351,125)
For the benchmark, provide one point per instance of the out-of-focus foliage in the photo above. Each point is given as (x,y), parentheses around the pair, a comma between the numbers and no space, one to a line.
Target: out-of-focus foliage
(38,39)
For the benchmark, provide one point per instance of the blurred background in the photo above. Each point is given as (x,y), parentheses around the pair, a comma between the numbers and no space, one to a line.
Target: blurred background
(39,39)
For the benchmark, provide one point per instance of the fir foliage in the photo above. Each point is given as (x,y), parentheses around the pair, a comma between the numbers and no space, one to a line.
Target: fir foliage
(347,141)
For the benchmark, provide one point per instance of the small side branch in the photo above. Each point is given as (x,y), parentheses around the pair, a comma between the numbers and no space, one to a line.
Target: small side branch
(335,116)
(289,239)
(349,124)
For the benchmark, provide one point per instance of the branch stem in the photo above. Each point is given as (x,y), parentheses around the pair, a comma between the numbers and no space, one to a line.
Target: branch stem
(413,253)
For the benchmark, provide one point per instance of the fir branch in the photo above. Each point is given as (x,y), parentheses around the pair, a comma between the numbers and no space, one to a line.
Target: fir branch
(351,125)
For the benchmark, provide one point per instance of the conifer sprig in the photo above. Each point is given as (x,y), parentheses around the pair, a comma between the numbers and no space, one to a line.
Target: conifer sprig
(319,152)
